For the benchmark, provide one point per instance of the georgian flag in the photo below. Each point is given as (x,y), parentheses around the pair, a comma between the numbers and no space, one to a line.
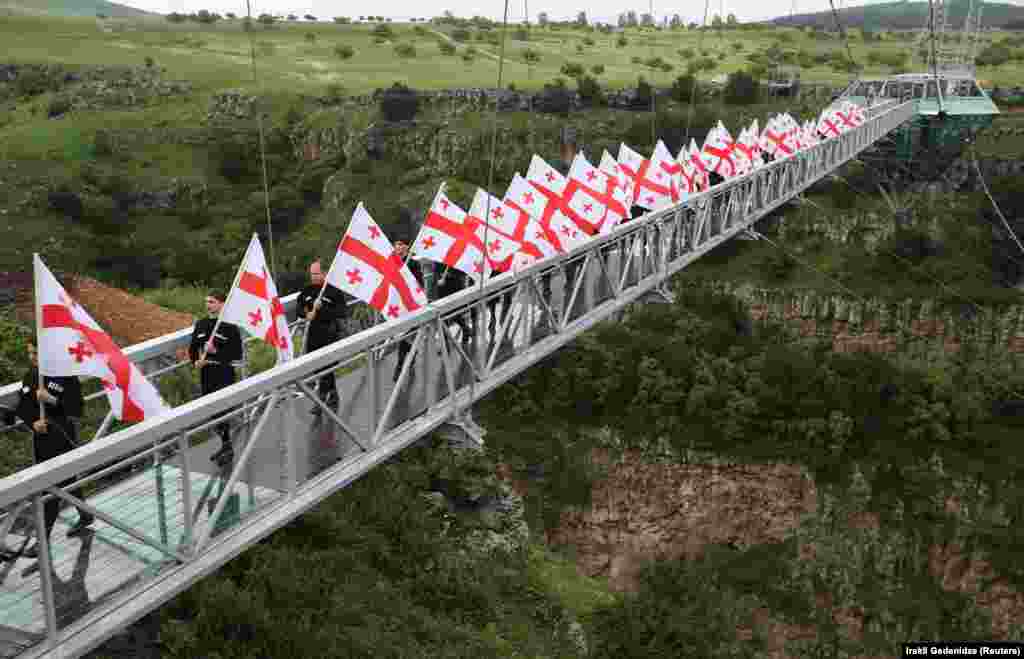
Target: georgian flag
(561,191)
(828,125)
(754,142)
(651,189)
(367,267)
(560,231)
(810,134)
(525,228)
(742,153)
(597,195)
(662,159)
(72,344)
(611,167)
(695,173)
(254,306)
(717,153)
(447,237)
(502,222)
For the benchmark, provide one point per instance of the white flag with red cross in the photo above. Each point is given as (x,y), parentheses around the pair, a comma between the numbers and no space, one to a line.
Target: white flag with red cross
(72,344)
(695,172)
(810,134)
(775,139)
(717,153)
(501,224)
(651,186)
(254,306)
(828,125)
(563,192)
(848,116)
(611,167)
(742,153)
(662,159)
(560,231)
(511,221)
(598,195)
(451,236)
(754,142)
(367,267)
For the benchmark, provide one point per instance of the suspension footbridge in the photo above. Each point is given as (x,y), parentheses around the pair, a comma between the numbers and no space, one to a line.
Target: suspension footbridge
(167,516)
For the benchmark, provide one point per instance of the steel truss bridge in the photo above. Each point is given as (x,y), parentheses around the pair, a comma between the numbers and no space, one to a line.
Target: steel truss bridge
(166,516)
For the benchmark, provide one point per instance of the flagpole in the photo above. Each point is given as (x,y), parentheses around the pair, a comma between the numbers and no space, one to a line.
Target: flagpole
(234,284)
(36,262)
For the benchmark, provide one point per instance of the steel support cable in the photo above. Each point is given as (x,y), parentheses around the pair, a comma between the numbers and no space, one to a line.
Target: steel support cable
(263,147)
(1016,394)
(693,87)
(860,192)
(999,212)
(490,182)
(845,36)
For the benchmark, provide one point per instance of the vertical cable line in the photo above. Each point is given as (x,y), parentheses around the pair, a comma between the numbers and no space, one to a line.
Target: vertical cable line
(490,176)
(842,33)
(263,146)
(693,87)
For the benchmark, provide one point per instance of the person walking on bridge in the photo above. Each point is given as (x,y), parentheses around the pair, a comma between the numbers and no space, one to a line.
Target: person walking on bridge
(53,435)
(324,312)
(214,354)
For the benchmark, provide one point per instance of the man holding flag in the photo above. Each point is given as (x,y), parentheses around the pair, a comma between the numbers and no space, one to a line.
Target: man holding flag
(324,307)
(56,434)
(213,349)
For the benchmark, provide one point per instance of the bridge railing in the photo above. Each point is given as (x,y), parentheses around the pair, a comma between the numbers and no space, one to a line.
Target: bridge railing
(168,515)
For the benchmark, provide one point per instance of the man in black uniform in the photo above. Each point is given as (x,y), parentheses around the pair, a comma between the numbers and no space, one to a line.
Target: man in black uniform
(324,316)
(213,355)
(52,436)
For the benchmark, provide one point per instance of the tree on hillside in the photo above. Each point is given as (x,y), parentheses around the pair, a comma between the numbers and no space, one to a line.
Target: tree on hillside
(716,21)
(647,20)
(293,17)
(344,51)
(622,20)
(731,21)
(677,22)
(631,19)
(342,20)
(266,20)
(207,17)
(310,37)
(175,17)
(231,15)
(310,17)
(581,19)
(542,19)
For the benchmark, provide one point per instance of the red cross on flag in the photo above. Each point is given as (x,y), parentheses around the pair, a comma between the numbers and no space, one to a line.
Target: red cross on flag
(651,186)
(562,193)
(754,142)
(742,153)
(253,304)
(559,231)
(828,125)
(775,139)
(717,153)
(694,175)
(611,167)
(662,159)
(857,114)
(597,196)
(72,344)
(495,225)
(449,236)
(514,224)
(367,267)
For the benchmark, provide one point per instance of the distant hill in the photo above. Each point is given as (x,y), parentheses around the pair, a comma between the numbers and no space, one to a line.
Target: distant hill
(908,15)
(81,8)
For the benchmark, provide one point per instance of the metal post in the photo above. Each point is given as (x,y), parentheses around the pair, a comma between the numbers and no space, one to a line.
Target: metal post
(229,486)
(104,426)
(402,377)
(45,573)
(186,494)
(371,381)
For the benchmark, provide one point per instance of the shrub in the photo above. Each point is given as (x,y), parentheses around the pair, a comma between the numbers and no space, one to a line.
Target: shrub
(310,37)
(399,103)
(383,31)
(597,69)
(572,70)
(344,51)
(419,30)
(446,47)
(685,88)
(587,41)
(589,90)
(461,35)
(622,42)
(405,50)
(554,98)
(686,53)
(741,89)
(58,107)
(67,203)
(531,56)
(150,62)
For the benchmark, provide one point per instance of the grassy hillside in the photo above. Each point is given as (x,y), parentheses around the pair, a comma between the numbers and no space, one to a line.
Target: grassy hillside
(905,15)
(78,8)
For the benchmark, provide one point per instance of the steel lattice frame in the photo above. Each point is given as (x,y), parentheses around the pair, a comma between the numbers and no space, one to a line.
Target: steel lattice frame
(610,272)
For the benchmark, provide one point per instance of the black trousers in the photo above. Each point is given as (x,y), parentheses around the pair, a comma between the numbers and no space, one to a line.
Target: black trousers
(214,377)
(61,437)
(328,383)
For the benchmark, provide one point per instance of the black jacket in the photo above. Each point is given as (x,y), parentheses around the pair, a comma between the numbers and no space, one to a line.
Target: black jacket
(325,327)
(228,342)
(67,390)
